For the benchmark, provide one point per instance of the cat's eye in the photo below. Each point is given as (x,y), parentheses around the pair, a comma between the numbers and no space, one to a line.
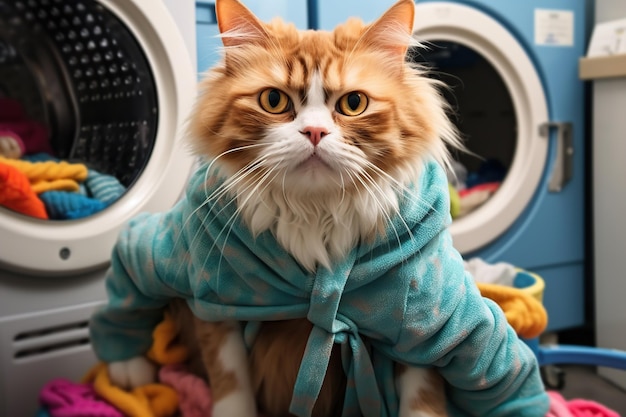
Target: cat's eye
(352,104)
(274,101)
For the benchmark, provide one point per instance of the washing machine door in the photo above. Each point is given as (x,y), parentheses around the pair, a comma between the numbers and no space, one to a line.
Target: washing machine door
(502,106)
(109,83)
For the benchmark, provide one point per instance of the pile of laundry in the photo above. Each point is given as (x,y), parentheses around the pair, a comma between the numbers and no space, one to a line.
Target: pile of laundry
(181,393)
(177,392)
(34,183)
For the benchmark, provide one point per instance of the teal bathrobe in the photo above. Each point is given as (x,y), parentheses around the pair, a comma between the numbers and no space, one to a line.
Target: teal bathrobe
(404,297)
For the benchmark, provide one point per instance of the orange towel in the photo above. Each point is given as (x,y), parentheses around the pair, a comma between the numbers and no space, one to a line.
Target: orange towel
(165,350)
(16,193)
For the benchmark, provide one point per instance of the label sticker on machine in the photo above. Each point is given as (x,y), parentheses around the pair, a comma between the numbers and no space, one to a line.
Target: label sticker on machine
(554,27)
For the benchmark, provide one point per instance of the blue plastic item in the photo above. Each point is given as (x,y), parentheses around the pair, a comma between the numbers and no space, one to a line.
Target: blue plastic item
(581,355)
(565,354)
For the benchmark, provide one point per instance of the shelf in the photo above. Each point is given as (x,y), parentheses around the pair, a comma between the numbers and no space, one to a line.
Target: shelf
(602,67)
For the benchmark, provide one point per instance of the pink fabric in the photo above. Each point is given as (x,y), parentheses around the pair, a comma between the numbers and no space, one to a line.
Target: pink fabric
(34,135)
(194,395)
(560,407)
(63,398)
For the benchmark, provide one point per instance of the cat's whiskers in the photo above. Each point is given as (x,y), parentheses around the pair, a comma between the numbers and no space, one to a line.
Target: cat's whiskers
(239,207)
(356,165)
(400,187)
(231,221)
(225,153)
(366,180)
(216,195)
(343,189)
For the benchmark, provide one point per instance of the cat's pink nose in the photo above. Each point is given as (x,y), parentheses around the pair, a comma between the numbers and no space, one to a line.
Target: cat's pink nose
(314,134)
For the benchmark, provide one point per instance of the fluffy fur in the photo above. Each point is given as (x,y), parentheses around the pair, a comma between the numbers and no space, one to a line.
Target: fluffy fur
(320,180)
(318,211)
(319,197)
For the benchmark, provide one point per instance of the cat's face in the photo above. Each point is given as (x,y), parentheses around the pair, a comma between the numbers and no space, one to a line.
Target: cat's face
(314,111)
(319,132)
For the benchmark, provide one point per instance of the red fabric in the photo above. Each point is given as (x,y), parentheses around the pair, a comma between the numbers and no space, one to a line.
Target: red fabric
(17,194)
(560,407)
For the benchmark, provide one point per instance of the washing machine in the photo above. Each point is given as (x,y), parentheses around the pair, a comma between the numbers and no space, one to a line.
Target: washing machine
(512,68)
(104,87)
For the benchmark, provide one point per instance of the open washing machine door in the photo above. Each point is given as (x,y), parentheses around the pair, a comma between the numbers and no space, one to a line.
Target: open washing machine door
(481,59)
(110,84)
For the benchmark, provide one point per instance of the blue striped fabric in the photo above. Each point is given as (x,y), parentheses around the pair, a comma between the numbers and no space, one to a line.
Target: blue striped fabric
(105,188)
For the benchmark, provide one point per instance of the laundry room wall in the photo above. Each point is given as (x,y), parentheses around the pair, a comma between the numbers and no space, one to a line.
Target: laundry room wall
(609,101)
(610,10)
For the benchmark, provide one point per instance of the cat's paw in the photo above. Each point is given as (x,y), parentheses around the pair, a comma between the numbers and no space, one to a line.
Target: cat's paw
(133,372)
(235,404)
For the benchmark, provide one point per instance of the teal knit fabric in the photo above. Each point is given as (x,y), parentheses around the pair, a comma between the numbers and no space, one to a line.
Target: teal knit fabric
(406,294)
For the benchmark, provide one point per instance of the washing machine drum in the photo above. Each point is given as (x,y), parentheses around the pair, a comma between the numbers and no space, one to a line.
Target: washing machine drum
(75,69)
(84,85)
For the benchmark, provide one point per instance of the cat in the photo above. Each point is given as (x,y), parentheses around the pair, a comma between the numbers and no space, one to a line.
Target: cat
(308,126)
(326,114)
(318,135)
(325,109)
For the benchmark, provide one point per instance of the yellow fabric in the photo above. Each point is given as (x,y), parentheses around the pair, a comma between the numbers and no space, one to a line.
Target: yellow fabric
(455,202)
(56,185)
(151,400)
(50,175)
(524,313)
(164,349)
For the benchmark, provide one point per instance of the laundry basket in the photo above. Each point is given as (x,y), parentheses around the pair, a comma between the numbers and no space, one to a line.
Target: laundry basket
(533,285)
(548,355)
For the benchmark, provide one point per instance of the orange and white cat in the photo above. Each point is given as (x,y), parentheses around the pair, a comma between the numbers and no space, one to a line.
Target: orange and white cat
(316,131)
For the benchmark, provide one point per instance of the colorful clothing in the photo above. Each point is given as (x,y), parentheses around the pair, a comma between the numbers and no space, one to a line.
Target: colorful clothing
(406,294)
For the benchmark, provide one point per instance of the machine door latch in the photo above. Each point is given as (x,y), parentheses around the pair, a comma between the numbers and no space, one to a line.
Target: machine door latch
(563,167)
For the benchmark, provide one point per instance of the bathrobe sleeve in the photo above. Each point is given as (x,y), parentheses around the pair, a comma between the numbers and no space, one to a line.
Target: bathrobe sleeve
(449,325)
(446,323)
(149,267)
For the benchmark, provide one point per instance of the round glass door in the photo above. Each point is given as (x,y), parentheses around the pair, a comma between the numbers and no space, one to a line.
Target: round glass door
(93,97)
(482,110)
(500,104)
(78,108)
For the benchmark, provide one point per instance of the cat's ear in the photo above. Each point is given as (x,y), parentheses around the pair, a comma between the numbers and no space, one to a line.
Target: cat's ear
(237,24)
(392,32)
